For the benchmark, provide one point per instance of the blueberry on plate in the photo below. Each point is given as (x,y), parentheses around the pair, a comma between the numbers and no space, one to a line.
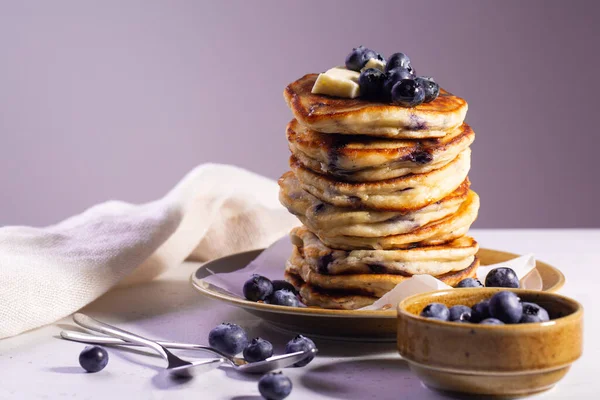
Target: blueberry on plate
(257,288)
(469,282)
(408,93)
(399,60)
(274,386)
(93,358)
(502,277)
(460,313)
(230,339)
(394,76)
(257,350)
(533,313)
(432,89)
(301,343)
(491,321)
(371,82)
(507,307)
(279,284)
(284,298)
(437,311)
(480,311)
(359,56)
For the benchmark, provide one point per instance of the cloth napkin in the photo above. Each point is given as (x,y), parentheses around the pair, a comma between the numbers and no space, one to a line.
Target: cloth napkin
(48,273)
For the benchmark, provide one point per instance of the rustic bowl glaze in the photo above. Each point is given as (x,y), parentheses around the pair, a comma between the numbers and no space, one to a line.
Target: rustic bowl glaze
(505,360)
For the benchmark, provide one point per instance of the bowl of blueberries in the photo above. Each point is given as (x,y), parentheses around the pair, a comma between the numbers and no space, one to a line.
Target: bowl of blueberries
(490,340)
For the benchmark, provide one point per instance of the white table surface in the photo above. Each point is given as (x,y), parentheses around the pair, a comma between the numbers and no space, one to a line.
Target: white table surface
(39,365)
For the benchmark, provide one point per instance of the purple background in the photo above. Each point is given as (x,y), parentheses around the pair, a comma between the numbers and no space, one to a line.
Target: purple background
(119,99)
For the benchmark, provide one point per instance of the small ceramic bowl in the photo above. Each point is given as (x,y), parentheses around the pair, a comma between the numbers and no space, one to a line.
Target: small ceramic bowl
(505,360)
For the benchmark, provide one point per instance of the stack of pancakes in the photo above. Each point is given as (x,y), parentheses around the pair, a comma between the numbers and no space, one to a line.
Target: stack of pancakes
(382,192)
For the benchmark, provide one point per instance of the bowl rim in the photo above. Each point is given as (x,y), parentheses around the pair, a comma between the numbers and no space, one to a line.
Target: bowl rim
(576,315)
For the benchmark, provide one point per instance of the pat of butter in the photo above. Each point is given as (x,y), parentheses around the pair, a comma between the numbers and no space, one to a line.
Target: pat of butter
(375,63)
(338,81)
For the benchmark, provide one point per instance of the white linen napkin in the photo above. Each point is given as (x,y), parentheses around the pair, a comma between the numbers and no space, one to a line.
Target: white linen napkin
(49,273)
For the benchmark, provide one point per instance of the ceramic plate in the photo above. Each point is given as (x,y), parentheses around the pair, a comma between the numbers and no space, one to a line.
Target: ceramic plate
(339,324)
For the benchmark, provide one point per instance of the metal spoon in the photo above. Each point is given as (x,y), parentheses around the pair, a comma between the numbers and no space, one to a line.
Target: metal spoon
(241,365)
(176,366)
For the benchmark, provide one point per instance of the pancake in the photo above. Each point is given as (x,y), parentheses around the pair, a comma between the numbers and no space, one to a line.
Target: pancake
(329,114)
(374,285)
(404,194)
(433,260)
(363,158)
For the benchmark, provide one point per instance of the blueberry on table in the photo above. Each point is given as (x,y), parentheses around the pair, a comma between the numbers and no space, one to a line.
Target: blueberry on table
(275,386)
(93,358)
(437,311)
(394,76)
(507,307)
(300,343)
(257,288)
(491,321)
(408,93)
(480,311)
(231,339)
(284,298)
(533,313)
(469,282)
(432,89)
(460,313)
(257,350)
(359,56)
(371,82)
(502,277)
(398,60)
(279,284)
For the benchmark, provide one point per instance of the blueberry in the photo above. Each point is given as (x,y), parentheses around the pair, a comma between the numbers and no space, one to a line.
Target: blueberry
(481,311)
(257,288)
(257,350)
(399,60)
(502,277)
(437,311)
(281,284)
(300,343)
(507,307)
(231,339)
(534,313)
(93,358)
(469,282)
(359,56)
(275,386)
(284,298)
(460,313)
(491,321)
(394,76)
(432,89)
(371,84)
(408,93)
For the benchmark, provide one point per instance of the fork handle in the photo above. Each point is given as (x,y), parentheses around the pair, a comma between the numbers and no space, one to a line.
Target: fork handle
(101,327)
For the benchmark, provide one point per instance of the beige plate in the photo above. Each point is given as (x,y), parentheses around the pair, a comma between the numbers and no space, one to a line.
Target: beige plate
(339,324)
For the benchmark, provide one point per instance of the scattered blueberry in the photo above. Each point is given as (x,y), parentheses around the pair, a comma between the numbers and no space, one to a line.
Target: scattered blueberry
(399,60)
(502,277)
(491,321)
(275,386)
(257,350)
(359,56)
(281,284)
(437,311)
(469,282)
(507,307)
(432,89)
(480,311)
(460,313)
(394,76)
(534,313)
(284,298)
(257,288)
(371,82)
(93,358)
(231,339)
(300,343)
(408,93)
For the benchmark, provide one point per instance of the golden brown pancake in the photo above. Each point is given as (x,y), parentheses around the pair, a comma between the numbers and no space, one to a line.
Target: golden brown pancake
(329,114)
